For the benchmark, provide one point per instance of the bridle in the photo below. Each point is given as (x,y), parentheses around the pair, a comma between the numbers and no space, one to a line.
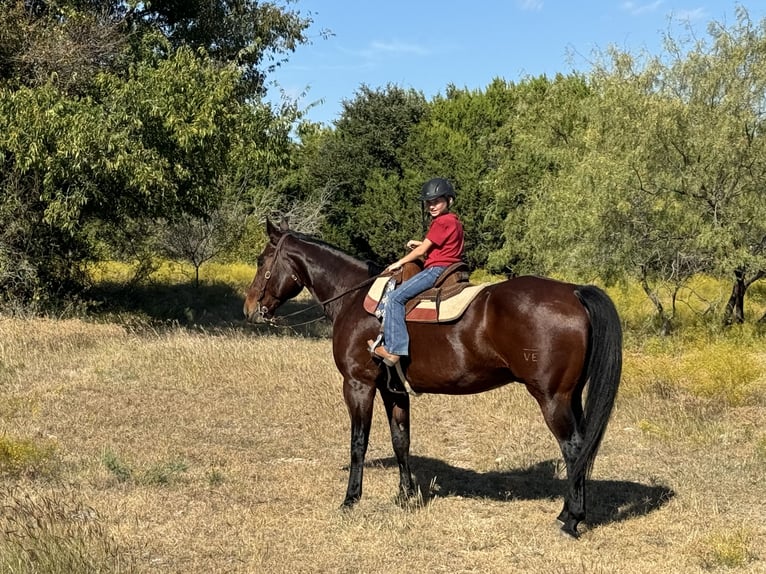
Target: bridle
(262,309)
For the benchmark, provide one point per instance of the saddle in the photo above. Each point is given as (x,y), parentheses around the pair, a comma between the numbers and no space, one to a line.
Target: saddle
(447,300)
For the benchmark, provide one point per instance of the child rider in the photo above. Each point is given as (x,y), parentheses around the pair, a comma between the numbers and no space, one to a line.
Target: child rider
(442,246)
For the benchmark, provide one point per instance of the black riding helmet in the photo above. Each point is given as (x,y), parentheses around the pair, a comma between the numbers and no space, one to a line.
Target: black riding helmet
(436,187)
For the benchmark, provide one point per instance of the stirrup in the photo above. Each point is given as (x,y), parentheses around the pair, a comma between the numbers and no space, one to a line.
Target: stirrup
(397,366)
(376,343)
(407,387)
(380,352)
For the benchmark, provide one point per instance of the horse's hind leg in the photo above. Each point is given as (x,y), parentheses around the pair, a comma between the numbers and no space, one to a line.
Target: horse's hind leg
(564,418)
(398,411)
(359,401)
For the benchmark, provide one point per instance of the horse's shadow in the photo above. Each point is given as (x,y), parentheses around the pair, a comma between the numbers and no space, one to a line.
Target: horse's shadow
(608,500)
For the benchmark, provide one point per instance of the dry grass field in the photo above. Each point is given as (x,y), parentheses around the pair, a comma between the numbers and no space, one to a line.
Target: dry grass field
(166,451)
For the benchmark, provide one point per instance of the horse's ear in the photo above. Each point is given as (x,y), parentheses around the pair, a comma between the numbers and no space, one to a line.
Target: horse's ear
(284,225)
(273,233)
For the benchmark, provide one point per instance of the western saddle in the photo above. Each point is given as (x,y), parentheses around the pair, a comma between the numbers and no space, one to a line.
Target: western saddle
(452,281)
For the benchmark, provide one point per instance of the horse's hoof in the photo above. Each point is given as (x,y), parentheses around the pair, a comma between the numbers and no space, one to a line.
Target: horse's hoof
(569,532)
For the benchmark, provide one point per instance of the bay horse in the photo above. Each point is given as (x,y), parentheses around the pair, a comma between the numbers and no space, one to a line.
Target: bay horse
(551,336)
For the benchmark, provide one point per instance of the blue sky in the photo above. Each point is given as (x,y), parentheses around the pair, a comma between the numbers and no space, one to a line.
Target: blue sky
(429,44)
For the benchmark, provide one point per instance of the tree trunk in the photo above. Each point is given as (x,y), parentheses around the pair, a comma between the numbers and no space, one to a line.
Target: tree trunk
(666,326)
(735,308)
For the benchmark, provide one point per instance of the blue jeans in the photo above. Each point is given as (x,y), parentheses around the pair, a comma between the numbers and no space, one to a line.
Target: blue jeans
(397,339)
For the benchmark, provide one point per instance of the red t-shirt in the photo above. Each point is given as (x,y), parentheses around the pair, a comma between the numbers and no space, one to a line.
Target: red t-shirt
(446,234)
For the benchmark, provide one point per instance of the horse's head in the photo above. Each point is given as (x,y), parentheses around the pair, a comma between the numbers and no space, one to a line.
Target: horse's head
(275,280)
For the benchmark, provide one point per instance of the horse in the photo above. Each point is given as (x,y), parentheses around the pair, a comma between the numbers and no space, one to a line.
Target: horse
(554,337)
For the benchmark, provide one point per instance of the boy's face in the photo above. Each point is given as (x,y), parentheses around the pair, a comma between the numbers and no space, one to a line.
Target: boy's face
(437,206)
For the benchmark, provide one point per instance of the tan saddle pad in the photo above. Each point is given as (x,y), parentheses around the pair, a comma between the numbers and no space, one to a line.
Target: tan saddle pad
(429,306)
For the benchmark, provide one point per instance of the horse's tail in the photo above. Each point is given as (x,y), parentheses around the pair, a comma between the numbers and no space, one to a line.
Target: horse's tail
(603,370)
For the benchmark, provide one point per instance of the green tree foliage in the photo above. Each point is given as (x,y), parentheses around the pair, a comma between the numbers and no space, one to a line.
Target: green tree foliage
(592,220)
(665,180)
(254,35)
(295,185)
(134,130)
(147,149)
(723,83)
(541,139)
(387,144)
(57,43)
(701,160)
(390,213)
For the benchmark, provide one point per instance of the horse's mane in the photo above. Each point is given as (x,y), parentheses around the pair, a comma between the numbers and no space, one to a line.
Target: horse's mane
(373,268)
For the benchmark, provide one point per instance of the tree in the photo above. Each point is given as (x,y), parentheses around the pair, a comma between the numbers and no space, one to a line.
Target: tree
(542,138)
(663,179)
(730,98)
(198,240)
(73,39)
(152,132)
(256,36)
(60,44)
(387,144)
(702,157)
(390,213)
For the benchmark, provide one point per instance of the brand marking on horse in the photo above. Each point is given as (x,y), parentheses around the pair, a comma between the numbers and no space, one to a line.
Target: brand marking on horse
(530,355)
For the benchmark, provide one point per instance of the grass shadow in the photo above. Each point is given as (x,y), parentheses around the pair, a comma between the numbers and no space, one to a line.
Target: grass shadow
(213,307)
(609,501)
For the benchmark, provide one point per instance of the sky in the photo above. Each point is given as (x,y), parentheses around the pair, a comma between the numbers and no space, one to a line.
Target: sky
(427,45)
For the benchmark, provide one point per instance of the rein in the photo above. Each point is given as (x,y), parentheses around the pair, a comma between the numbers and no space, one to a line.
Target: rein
(322,304)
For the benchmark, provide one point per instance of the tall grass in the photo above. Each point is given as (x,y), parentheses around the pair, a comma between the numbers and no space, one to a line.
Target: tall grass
(42,533)
(175,273)
(724,370)
(698,308)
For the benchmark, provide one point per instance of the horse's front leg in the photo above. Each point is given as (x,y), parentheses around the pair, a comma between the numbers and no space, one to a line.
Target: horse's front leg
(398,411)
(359,401)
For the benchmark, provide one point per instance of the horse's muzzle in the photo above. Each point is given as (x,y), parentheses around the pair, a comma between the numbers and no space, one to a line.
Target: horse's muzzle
(257,314)
(252,311)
